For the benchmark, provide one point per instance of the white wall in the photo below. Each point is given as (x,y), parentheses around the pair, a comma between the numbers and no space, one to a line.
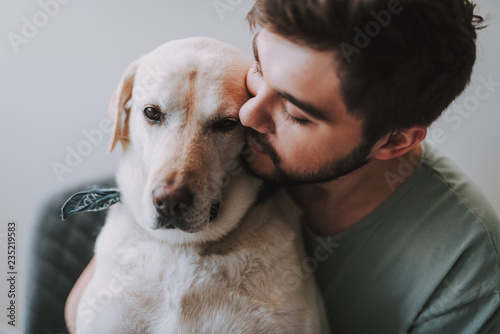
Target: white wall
(473,141)
(59,83)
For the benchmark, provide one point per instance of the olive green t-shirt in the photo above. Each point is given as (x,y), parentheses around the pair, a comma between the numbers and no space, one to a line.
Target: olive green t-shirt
(425,261)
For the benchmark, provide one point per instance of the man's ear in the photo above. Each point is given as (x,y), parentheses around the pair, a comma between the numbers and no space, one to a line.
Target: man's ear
(396,144)
(119,108)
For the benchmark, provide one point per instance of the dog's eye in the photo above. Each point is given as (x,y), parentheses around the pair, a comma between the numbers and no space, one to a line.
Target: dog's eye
(225,124)
(152,114)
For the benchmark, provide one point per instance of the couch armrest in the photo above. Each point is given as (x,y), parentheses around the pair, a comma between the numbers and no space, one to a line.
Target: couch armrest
(59,252)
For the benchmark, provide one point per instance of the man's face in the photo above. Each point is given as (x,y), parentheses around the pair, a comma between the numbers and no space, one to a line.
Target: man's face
(298,127)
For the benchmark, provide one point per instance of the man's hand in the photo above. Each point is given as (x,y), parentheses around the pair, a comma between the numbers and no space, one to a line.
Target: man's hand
(75,295)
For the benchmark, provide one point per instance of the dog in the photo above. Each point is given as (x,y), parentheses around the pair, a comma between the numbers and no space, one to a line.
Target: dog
(194,246)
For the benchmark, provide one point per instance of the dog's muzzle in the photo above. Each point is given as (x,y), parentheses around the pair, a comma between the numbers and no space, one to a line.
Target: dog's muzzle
(175,207)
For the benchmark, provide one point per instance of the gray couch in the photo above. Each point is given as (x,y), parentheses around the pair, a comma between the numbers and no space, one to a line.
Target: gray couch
(59,252)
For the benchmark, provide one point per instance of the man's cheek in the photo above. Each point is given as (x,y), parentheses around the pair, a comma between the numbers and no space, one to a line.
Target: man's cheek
(303,153)
(290,153)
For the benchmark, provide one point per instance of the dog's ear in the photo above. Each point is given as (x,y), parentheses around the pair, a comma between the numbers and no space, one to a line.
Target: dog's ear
(119,107)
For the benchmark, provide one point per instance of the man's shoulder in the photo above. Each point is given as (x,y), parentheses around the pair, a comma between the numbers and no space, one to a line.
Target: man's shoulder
(431,248)
(453,223)
(451,199)
(465,236)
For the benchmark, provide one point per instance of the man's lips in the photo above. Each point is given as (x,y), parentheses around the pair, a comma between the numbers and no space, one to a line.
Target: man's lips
(260,144)
(257,141)
(254,144)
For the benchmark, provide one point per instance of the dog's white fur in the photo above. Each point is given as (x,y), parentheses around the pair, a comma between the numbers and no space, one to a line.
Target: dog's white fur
(240,273)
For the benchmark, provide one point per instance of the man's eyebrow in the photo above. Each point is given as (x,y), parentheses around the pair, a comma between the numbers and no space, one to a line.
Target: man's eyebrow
(254,47)
(306,107)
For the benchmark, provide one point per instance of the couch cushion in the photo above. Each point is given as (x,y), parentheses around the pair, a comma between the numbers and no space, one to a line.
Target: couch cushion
(59,253)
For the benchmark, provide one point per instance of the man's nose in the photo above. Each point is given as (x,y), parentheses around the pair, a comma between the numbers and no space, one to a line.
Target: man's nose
(256,114)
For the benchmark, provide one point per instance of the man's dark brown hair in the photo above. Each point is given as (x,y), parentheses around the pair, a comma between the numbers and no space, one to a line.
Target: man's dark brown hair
(401,62)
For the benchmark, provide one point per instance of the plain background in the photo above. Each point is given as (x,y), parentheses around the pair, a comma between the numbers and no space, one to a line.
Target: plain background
(57,86)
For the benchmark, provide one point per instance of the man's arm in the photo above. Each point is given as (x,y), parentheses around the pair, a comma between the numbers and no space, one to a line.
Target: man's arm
(480,316)
(493,324)
(75,295)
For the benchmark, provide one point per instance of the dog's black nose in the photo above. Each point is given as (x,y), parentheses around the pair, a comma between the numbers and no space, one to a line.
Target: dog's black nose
(172,201)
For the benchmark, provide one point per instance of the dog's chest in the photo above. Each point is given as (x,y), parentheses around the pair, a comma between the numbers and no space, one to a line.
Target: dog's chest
(158,292)
(152,279)
(174,289)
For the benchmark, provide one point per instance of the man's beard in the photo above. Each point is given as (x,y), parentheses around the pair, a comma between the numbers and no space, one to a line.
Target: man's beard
(331,171)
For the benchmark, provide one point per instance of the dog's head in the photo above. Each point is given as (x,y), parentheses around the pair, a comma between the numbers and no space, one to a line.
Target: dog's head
(175,113)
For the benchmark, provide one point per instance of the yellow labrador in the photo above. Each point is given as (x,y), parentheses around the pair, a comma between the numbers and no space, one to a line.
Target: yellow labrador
(190,249)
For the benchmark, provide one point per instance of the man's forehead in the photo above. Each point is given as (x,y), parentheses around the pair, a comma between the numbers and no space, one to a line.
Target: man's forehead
(305,77)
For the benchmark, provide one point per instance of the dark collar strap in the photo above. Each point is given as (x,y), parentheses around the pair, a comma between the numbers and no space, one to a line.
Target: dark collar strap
(96,199)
